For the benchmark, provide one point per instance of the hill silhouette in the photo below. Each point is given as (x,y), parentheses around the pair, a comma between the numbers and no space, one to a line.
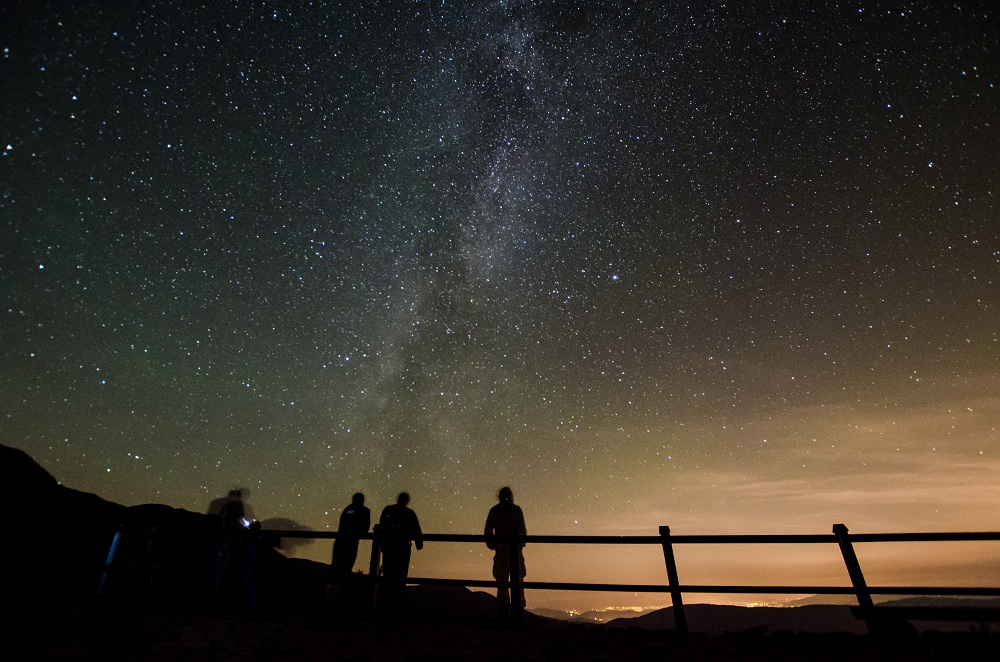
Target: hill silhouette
(809,618)
(57,536)
(60,537)
(718,619)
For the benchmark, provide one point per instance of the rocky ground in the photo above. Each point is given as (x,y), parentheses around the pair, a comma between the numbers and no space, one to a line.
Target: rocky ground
(115,633)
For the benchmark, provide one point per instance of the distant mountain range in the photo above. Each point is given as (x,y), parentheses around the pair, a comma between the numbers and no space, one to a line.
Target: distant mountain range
(592,617)
(813,615)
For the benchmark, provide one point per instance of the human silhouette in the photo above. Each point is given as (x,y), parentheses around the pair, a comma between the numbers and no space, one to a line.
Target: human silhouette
(262,565)
(227,556)
(505,518)
(355,520)
(223,506)
(398,525)
(234,516)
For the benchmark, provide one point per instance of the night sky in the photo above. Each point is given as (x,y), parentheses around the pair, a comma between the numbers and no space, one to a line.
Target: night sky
(731,269)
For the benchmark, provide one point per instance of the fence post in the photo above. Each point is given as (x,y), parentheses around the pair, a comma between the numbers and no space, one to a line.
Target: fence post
(373,567)
(680,621)
(858,580)
(514,575)
(853,567)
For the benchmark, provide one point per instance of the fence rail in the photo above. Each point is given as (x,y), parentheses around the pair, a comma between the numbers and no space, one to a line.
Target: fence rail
(667,541)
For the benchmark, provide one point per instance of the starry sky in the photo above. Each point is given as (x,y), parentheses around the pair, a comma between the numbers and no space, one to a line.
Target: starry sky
(733,269)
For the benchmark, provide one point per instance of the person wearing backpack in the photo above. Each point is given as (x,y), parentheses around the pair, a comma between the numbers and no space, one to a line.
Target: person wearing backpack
(504,519)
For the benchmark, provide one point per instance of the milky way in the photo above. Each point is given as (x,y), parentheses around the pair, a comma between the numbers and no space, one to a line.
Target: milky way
(729,269)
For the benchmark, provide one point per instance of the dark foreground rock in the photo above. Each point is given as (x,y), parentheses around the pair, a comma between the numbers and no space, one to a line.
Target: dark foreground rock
(57,541)
(101,633)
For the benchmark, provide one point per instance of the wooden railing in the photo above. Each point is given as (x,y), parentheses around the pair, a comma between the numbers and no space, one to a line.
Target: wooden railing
(874,616)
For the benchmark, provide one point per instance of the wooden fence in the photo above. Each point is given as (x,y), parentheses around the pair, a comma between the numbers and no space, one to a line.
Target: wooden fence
(877,618)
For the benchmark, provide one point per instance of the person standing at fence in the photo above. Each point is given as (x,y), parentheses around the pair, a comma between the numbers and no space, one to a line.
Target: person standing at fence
(355,520)
(505,518)
(398,526)
(228,557)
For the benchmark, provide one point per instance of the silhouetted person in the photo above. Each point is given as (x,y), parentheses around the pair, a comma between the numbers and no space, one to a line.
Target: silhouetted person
(261,568)
(233,514)
(398,525)
(228,556)
(354,522)
(504,518)
(221,506)
(215,507)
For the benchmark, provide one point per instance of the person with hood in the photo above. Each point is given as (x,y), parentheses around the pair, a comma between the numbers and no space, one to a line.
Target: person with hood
(504,519)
